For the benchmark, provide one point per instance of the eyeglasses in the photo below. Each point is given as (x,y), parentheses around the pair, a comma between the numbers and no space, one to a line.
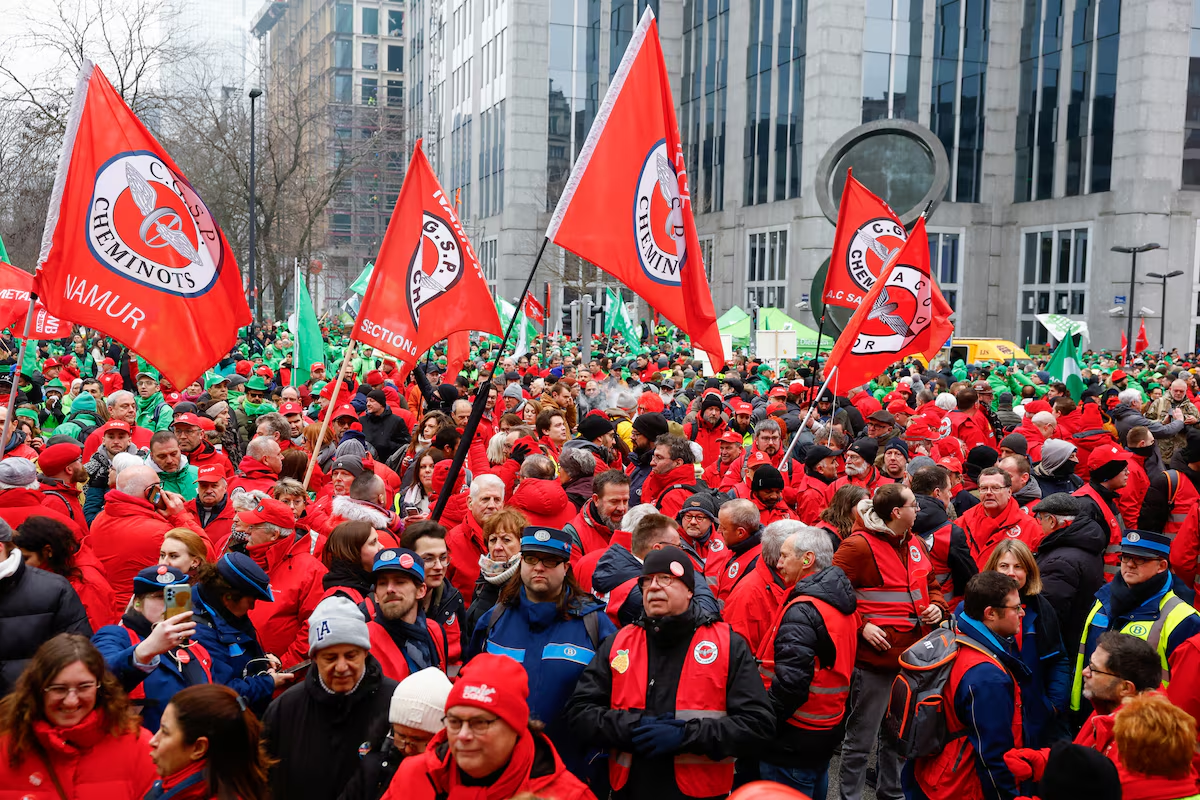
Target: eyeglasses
(443,559)
(915,506)
(479,726)
(992,489)
(1136,561)
(549,562)
(407,742)
(1088,666)
(662,581)
(1020,609)
(60,691)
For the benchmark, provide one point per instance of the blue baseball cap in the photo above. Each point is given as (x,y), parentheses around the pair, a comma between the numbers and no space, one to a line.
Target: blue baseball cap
(153,579)
(548,541)
(1146,544)
(244,575)
(400,559)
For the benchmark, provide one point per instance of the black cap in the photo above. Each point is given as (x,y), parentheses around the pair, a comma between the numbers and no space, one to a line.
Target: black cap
(711,401)
(378,396)
(593,426)
(767,477)
(1073,770)
(866,447)
(651,425)
(899,445)
(816,454)
(672,561)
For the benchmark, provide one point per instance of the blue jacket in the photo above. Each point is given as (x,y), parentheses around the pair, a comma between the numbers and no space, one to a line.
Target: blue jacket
(159,684)
(617,565)
(232,650)
(1049,666)
(554,653)
(638,472)
(985,704)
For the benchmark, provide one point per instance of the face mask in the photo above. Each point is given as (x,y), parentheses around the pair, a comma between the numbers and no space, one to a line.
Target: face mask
(1144,452)
(1066,469)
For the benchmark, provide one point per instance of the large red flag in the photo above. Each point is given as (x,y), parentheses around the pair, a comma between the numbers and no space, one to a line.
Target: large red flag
(130,249)
(427,283)
(1143,341)
(903,314)
(868,234)
(458,350)
(14,305)
(1124,348)
(626,207)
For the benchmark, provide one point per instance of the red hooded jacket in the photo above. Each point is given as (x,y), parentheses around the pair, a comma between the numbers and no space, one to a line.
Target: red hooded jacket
(296,583)
(543,502)
(255,475)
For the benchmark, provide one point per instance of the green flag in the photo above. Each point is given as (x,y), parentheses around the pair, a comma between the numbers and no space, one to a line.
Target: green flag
(3,252)
(1064,366)
(618,320)
(309,345)
(359,286)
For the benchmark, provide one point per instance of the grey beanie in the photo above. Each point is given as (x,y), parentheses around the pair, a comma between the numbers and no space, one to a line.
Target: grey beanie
(6,532)
(336,620)
(18,472)
(1055,453)
(919,463)
(513,390)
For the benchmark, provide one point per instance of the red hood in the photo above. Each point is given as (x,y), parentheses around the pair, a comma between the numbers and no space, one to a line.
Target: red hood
(655,483)
(253,468)
(544,497)
(932,410)
(1089,417)
(20,498)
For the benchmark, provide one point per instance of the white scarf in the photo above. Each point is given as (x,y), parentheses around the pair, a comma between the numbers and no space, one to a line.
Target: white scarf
(8,567)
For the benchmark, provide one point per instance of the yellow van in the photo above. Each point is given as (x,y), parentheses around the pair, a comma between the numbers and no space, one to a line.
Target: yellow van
(973,351)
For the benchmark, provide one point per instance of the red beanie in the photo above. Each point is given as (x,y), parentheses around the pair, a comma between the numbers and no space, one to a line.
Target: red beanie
(375,377)
(57,456)
(496,684)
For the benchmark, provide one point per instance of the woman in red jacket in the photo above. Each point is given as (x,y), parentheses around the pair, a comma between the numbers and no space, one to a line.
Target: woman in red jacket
(67,730)
(207,747)
(51,545)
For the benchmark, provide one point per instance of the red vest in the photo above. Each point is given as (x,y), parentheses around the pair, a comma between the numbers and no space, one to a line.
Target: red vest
(614,599)
(951,775)
(938,543)
(701,695)
(830,687)
(193,650)
(898,603)
(1183,522)
(1112,553)
(390,657)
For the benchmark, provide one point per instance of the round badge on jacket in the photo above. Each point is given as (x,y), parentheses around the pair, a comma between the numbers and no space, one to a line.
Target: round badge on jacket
(705,652)
(915,552)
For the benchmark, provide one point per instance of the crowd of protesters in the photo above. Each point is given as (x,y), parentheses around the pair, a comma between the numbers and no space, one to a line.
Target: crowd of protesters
(645,581)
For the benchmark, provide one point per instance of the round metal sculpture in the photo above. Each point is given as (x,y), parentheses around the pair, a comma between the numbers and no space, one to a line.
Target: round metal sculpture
(901,161)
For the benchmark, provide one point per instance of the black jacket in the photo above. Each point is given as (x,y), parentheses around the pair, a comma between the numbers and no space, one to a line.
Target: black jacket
(931,516)
(1071,563)
(448,605)
(35,606)
(486,595)
(317,735)
(387,432)
(800,643)
(749,721)
(375,773)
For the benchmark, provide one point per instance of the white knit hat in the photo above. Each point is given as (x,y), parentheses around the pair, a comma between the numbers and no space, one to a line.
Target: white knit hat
(336,620)
(420,700)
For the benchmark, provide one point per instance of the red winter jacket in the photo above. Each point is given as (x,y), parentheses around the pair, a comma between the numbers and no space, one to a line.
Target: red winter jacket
(593,534)
(543,502)
(207,454)
(808,497)
(706,436)
(141,440)
(90,764)
(17,505)
(127,535)
(296,583)
(753,604)
(63,498)
(1033,437)
(767,516)
(255,475)
(466,545)
(985,532)
(219,527)
(655,489)
(93,588)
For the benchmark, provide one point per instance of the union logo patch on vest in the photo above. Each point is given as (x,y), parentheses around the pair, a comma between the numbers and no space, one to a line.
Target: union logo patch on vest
(1013,532)
(915,553)
(705,652)
(733,570)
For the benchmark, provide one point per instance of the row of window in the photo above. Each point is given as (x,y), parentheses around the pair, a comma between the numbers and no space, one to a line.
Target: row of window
(343,55)
(343,20)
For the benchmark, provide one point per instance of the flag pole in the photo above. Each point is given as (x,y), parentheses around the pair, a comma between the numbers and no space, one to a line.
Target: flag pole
(804,422)
(295,376)
(464,444)
(337,387)
(9,422)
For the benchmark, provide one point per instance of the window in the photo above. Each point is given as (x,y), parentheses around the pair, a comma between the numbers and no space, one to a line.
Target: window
(395,23)
(395,93)
(395,62)
(1191,119)
(1054,278)
(343,18)
(706,253)
(341,88)
(704,106)
(339,228)
(370,17)
(767,268)
(945,260)
(1091,110)
(1037,102)
(487,262)
(960,56)
(370,91)
(891,59)
(370,55)
(343,54)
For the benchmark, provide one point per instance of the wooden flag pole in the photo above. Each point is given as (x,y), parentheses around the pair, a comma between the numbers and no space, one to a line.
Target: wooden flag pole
(337,387)
(9,421)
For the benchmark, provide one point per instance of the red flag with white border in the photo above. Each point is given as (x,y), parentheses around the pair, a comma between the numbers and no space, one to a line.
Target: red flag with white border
(14,305)
(868,234)
(1143,341)
(130,249)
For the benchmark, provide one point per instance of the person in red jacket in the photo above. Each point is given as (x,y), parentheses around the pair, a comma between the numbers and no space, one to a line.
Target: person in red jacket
(738,522)
(21,498)
(128,533)
(752,604)
(592,528)
(968,423)
(539,496)
(729,445)
(211,506)
(860,468)
(672,471)
(189,432)
(50,545)
(708,426)
(1155,745)
(1133,494)
(998,516)
(766,492)
(1091,436)
(122,405)
(465,540)
(266,530)
(259,468)
(487,747)
(62,473)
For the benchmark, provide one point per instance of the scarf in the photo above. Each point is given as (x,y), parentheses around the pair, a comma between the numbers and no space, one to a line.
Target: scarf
(189,783)
(74,740)
(449,781)
(256,409)
(1123,598)
(259,552)
(497,573)
(8,567)
(353,576)
(414,640)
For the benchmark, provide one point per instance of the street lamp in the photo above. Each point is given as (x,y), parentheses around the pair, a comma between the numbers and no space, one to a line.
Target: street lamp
(254,300)
(1162,325)
(1133,250)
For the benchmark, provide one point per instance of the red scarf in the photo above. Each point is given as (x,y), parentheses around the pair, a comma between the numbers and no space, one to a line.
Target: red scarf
(73,740)
(446,777)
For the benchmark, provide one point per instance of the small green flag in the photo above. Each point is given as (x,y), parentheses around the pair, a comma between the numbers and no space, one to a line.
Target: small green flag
(1064,366)
(360,284)
(618,320)
(3,252)
(310,346)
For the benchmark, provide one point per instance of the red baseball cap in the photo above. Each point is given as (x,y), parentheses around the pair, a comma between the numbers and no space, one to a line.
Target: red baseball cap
(264,372)
(271,512)
(50,362)
(375,378)
(291,408)
(116,425)
(1104,454)
(188,419)
(742,407)
(892,397)
(1117,375)
(758,459)
(108,362)
(206,424)
(903,388)
(951,463)
(899,407)
(315,365)
(797,387)
(731,436)
(344,410)
(777,391)
(210,473)
(918,429)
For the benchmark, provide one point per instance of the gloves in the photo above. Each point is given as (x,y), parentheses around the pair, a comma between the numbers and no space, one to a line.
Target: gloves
(519,452)
(657,736)
(1026,764)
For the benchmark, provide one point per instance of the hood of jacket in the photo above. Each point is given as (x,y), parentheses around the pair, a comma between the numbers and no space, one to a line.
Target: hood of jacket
(540,496)
(830,585)
(119,504)
(348,508)
(614,567)
(253,468)
(930,516)
(182,471)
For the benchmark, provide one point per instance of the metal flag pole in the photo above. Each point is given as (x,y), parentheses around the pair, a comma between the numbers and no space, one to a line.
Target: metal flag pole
(337,387)
(481,397)
(296,333)
(9,421)
(804,422)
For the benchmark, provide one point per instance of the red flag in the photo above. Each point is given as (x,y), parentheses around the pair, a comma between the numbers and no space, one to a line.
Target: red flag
(1124,348)
(903,314)
(1143,341)
(868,234)
(626,207)
(14,305)
(458,350)
(427,282)
(130,249)
(534,311)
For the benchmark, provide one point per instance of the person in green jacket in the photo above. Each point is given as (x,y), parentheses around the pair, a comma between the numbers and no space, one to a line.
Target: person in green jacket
(172,466)
(83,419)
(153,412)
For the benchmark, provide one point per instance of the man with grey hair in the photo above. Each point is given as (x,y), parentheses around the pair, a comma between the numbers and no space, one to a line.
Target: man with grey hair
(273,425)
(539,495)
(576,467)
(127,535)
(806,661)
(740,525)
(465,540)
(1127,414)
(259,468)
(1070,560)
(752,604)
(1163,409)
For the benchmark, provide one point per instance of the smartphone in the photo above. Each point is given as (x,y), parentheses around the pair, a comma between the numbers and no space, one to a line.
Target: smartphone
(296,669)
(154,496)
(178,599)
